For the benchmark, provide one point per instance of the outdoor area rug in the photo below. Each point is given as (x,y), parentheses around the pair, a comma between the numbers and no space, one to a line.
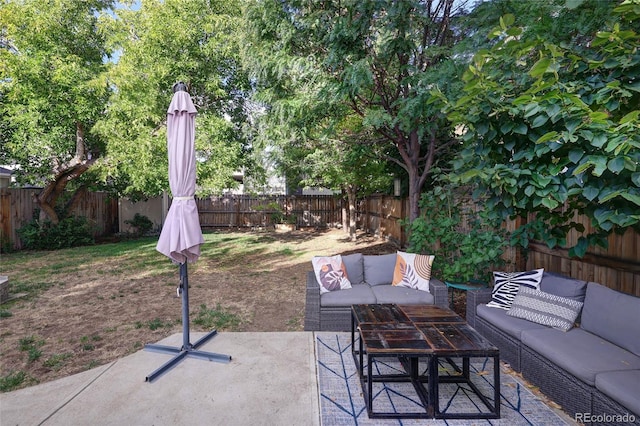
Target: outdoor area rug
(342,403)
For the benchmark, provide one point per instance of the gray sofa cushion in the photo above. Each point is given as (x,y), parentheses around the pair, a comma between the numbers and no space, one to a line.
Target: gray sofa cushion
(613,316)
(351,296)
(579,352)
(378,269)
(354,265)
(621,386)
(510,325)
(563,286)
(401,295)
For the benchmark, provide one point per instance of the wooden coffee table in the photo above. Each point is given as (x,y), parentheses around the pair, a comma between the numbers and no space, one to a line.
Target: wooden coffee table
(413,332)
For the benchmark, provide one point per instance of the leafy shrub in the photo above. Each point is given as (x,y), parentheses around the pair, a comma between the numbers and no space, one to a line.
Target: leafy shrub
(141,223)
(467,245)
(276,213)
(69,232)
(5,244)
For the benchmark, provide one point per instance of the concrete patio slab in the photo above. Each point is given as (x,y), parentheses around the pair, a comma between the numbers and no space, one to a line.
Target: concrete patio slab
(271,379)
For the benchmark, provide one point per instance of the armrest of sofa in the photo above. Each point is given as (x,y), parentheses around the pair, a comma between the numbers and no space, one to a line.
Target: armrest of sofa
(474,298)
(312,303)
(440,293)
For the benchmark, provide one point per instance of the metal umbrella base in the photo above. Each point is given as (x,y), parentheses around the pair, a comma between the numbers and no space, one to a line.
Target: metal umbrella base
(187,348)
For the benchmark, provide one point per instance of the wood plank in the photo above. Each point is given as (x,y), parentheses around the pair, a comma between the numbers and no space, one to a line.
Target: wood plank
(409,342)
(435,338)
(430,313)
(627,265)
(387,313)
(457,337)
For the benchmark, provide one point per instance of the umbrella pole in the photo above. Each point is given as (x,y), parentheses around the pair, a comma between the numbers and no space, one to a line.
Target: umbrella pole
(187,348)
(184,287)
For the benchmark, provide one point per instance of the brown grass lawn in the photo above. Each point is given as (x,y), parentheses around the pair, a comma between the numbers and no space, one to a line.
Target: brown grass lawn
(83,307)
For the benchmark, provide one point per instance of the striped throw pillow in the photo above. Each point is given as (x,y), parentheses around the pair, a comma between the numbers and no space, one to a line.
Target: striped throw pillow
(507,284)
(545,308)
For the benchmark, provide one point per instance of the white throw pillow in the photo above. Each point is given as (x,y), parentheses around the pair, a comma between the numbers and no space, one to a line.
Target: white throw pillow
(413,270)
(330,273)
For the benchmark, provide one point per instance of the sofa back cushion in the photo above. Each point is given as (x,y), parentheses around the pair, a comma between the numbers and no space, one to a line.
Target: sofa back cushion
(612,315)
(378,269)
(353,264)
(563,286)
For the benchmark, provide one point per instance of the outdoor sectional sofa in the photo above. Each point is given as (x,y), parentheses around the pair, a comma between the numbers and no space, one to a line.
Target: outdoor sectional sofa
(371,277)
(591,370)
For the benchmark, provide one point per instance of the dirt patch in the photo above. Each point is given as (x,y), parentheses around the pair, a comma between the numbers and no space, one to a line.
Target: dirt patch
(95,314)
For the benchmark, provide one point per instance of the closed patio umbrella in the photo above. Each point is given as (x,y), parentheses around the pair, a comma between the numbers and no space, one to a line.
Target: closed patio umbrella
(181,235)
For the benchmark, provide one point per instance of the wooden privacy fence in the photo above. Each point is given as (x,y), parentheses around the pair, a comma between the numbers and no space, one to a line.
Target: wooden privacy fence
(617,266)
(231,211)
(382,215)
(17,208)
(245,211)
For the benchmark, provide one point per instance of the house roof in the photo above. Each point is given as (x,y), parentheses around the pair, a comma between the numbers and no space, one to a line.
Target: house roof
(5,172)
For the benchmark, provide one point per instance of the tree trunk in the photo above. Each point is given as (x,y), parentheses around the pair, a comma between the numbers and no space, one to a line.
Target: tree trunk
(63,174)
(415,190)
(351,201)
(417,167)
(345,211)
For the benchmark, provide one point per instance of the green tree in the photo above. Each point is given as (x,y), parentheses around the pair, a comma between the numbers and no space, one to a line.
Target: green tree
(315,138)
(53,89)
(563,22)
(380,59)
(287,76)
(163,42)
(554,130)
(345,161)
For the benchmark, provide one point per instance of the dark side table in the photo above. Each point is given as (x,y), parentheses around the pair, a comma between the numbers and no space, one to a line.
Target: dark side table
(472,285)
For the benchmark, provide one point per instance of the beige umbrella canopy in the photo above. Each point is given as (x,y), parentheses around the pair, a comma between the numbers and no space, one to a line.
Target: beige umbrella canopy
(181,235)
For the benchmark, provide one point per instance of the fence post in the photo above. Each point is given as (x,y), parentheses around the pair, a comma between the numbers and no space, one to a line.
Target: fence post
(403,233)
(238,201)
(519,258)
(5,219)
(380,216)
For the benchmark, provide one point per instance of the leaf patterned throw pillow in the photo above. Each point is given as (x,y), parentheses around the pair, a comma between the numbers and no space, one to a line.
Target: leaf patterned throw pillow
(330,273)
(413,270)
